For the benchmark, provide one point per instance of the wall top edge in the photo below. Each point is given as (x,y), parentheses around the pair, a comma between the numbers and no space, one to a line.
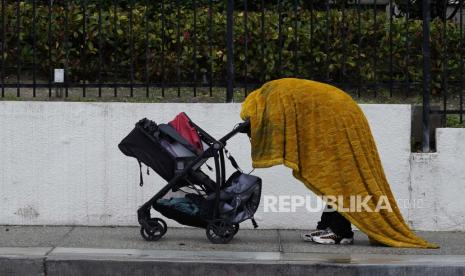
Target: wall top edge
(131,103)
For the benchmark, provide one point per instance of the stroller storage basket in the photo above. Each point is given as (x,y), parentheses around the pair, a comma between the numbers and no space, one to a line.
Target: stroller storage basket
(195,219)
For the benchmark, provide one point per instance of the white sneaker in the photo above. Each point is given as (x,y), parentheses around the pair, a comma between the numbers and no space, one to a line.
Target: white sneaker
(314,233)
(331,238)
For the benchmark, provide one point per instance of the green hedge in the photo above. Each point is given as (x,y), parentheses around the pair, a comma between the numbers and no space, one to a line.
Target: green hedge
(353,54)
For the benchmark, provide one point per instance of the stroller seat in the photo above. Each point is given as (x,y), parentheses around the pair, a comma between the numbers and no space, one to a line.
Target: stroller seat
(161,148)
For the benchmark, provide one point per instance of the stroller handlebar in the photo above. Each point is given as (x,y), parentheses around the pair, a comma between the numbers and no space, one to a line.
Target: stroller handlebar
(243,127)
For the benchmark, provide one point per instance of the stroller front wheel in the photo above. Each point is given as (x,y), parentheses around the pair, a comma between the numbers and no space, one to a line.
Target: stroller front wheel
(157,230)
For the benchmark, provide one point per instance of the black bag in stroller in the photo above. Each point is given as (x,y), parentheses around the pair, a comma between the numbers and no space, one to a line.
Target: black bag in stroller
(177,153)
(240,197)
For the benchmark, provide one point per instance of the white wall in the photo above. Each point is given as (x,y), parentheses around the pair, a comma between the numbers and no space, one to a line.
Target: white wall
(59,162)
(438,183)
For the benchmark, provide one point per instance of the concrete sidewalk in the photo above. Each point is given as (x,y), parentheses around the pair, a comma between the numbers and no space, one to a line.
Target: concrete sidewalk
(36,250)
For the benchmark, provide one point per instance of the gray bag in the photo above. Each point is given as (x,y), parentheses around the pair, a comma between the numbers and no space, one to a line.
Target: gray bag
(240,198)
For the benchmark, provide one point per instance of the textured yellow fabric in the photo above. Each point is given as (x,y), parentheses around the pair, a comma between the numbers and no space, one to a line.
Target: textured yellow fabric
(322,134)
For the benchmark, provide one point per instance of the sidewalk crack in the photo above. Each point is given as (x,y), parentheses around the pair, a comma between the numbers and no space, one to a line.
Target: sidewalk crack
(44,260)
(279,241)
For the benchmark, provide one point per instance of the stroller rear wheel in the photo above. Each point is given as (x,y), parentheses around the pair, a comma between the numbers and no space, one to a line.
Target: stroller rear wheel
(221,231)
(236,228)
(158,229)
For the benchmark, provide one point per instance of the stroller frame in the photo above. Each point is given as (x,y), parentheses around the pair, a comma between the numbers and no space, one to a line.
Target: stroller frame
(217,230)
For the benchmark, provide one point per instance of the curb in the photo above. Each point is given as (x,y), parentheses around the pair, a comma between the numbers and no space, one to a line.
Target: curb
(91,261)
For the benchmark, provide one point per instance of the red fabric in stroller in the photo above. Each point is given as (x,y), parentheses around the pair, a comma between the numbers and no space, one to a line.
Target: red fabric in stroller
(181,124)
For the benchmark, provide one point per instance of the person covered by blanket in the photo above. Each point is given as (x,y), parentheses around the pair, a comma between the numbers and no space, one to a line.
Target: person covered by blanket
(320,132)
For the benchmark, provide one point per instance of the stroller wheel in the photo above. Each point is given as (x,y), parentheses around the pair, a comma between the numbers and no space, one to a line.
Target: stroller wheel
(163,223)
(236,228)
(159,229)
(220,231)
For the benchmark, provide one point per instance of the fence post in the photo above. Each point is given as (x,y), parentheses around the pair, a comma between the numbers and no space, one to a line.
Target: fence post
(230,50)
(426,75)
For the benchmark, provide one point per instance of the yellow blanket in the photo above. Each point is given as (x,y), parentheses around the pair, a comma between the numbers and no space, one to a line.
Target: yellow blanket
(321,133)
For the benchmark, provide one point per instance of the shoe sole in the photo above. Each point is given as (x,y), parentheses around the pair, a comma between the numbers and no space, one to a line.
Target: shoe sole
(324,242)
(307,238)
(349,242)
(342,242)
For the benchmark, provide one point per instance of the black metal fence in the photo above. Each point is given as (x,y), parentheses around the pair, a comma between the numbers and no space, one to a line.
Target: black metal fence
(140,48)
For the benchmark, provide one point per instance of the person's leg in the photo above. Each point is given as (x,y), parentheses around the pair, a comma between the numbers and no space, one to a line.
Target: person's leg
(341,226)
(326,219)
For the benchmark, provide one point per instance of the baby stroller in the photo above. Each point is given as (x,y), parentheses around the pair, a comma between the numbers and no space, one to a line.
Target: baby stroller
(178,152)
